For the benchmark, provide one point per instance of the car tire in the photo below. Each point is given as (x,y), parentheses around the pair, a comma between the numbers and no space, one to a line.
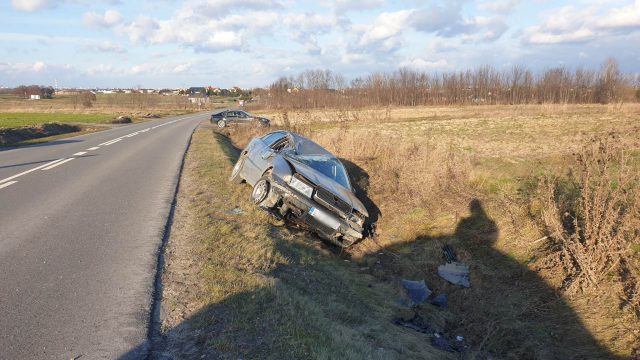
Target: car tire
(222,124)
(261,191)
(237,168)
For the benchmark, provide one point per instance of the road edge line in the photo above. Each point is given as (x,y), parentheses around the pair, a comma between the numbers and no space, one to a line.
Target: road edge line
(154,332)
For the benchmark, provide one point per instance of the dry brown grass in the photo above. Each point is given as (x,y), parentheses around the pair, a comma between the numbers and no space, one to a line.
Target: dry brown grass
(594,216)
(421,167)
(120,104)
(236,286)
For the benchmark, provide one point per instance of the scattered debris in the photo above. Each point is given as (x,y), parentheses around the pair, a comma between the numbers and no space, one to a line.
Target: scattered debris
(456,273)
(440,300)
(441,342)
(151,116)
(237,211)
(417,291)
(438,340)
(449,254)
(416,323)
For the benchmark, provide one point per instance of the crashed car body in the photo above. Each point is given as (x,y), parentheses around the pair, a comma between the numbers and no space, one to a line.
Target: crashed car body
(237,117)
(297,179)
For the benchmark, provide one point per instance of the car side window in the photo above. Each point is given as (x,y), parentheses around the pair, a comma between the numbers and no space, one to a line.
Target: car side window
(272,138)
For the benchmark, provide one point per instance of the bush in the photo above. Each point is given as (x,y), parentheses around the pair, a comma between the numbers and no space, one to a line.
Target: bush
(88,98)
(592,215)
(121,120)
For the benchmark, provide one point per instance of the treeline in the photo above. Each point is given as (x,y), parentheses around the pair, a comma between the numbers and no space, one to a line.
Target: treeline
(483,85)
(45,92)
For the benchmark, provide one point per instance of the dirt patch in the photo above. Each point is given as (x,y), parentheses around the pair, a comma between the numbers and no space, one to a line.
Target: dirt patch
(15,135)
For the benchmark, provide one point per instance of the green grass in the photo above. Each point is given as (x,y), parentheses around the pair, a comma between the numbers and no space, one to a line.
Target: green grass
(10,120)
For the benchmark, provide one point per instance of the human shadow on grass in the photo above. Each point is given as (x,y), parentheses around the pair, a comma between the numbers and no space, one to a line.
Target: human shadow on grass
(509,312)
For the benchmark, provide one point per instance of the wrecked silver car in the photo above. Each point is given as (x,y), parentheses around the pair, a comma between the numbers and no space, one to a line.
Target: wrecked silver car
(300,181)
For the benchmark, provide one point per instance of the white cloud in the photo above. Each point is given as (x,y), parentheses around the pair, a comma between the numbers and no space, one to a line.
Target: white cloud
(180,68)
(500,6)
(563,25)
(483,29)
(342,6)
(161,68)
(100,70)
(448,21)
(110,18)
(569,24)
(219,8)
(31,5)
(105,46)
(576,36)
(425,65)
(34,67)
(441,45)
(625,17)
(305,29)
(383,33)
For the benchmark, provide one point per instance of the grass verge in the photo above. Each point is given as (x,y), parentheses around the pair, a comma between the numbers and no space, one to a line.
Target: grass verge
(238,285)
(12,120)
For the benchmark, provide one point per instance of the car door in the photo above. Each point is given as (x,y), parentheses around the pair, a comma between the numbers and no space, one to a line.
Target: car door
(244,118)
(231,117)
(259,155)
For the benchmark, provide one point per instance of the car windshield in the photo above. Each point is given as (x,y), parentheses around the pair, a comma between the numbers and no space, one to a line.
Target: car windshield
(327,165)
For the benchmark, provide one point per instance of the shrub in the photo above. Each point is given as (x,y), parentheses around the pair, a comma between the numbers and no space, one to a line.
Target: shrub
(592,215)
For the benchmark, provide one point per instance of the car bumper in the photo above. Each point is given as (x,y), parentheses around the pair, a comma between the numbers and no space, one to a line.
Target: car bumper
(326,223)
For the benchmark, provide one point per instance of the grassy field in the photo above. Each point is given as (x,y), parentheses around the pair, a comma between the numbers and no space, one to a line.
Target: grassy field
(113,104)
(10,120)
(470,177)
(16,112)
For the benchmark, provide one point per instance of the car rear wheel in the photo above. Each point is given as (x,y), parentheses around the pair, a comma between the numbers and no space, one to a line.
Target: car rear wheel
(222,123)
(260,191)
(235,173)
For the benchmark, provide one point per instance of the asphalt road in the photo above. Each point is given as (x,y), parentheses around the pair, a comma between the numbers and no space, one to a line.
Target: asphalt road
(81,223)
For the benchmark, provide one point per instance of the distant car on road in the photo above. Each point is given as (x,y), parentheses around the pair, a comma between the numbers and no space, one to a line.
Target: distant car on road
(298,180)
(231,117)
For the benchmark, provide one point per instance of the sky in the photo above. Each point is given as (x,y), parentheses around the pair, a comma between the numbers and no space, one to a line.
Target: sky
(251,43)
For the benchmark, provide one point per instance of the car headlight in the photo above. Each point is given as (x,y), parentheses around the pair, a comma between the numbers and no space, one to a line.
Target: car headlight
(357,218)
(302,187)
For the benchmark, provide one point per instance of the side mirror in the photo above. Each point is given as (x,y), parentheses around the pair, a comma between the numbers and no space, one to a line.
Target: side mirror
(267,154)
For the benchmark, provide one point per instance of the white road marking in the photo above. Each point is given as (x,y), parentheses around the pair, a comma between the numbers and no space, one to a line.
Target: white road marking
(79,153)
(58,164)
(94,148)
(28,171)
(111,142)
(7,184)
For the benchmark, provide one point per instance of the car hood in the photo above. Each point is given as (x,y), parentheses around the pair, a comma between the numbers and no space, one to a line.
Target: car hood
(319,179)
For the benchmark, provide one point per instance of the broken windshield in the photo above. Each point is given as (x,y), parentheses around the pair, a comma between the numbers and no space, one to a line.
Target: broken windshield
(327,165)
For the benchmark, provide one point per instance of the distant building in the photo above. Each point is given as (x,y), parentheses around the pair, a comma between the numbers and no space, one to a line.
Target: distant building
(35,97)
(196,91)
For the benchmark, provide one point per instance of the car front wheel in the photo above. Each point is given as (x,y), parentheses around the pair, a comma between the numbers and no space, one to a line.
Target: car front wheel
(222,123)
(260,191)
(235,173)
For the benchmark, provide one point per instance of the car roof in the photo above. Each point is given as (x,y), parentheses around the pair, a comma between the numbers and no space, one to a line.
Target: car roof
(305,146)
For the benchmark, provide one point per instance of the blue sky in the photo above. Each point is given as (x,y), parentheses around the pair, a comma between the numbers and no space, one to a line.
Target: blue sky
(163,43)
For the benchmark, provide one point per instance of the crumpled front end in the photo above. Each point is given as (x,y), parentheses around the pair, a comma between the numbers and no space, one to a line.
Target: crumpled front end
(337,223)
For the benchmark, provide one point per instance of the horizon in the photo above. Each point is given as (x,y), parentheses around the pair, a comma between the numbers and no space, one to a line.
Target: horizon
(252,43)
